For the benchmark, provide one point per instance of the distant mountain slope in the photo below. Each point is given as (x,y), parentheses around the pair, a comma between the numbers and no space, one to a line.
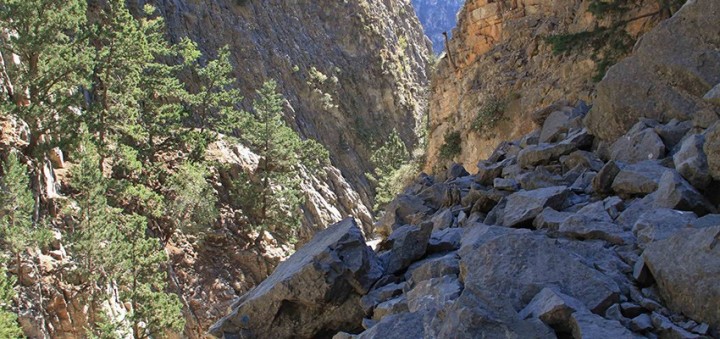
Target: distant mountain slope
(437,16)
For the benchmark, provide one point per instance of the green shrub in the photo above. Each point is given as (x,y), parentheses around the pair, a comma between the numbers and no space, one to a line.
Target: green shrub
(488,116)
(452,146)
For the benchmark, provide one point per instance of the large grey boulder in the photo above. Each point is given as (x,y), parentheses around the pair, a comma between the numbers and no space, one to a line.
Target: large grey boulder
(676,193)
(537,262)
(602,183)
(434,267)
(691,162)
(544,153)
(389,307)
(553,308)
(637,146)
(522,207)
(445,240)
(586,227)
(488,171)
(316,290)
(403,210)
(712,150)
(397,326)
(665,77)
(585,159)
(638,179)
(474,315)
(540,178)
(404,246)
(586,325)
(557,125)
(659,224)
(686,267)
(550,219)
(713,95)
(673,132)
(434,293)
(380,295)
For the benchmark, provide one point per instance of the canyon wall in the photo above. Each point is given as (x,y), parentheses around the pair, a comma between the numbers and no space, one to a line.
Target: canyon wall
(502,59)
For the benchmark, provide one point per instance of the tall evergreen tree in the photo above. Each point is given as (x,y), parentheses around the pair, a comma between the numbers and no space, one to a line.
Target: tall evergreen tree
(271,199)
(9,327)
(144,281)
(192,202)
(48,36)
(16,207)
(115,248)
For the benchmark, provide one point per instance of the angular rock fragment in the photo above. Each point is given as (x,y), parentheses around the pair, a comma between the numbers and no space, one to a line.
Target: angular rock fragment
(603,181)
(537,262)
(543,153)
(686,267)
(316,290)
(712,149)
(638,179)
(638,146)
(691,161)
(553,308)
(445,240)
(659,224)
(405,245)
(433,293)
(522,207)
(435,267)
(676,193)
(586,325)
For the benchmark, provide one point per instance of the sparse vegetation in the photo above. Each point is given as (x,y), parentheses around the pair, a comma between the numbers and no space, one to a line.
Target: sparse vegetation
(487,117)
(452,145)
(393,170)
(609,43)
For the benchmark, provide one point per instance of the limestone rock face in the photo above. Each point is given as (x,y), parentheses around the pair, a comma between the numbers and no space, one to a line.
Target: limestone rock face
(665,77)
(499,57)
(319,286)
(357,64)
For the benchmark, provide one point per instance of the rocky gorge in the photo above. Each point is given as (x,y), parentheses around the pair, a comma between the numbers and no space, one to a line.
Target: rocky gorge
(600,222)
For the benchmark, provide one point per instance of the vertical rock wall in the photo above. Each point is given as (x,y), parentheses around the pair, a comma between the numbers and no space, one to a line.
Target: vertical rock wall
(500,54)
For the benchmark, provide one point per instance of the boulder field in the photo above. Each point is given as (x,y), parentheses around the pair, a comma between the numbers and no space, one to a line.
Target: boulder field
(562,238)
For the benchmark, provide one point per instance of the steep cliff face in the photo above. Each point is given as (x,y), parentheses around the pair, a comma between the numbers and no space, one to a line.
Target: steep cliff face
(502,67)
(437,16)
(352,71)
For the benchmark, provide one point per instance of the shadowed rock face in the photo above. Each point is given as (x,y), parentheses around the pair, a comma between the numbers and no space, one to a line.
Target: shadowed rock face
(352,71)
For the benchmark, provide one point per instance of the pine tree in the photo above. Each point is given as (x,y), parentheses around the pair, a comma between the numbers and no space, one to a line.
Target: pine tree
(192,204)
(388,160)
(144,281)
(48,36)
(215,104)
(271,200)
(114,248)
(96,230)
(9,327)
(16,207)
(120,55)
